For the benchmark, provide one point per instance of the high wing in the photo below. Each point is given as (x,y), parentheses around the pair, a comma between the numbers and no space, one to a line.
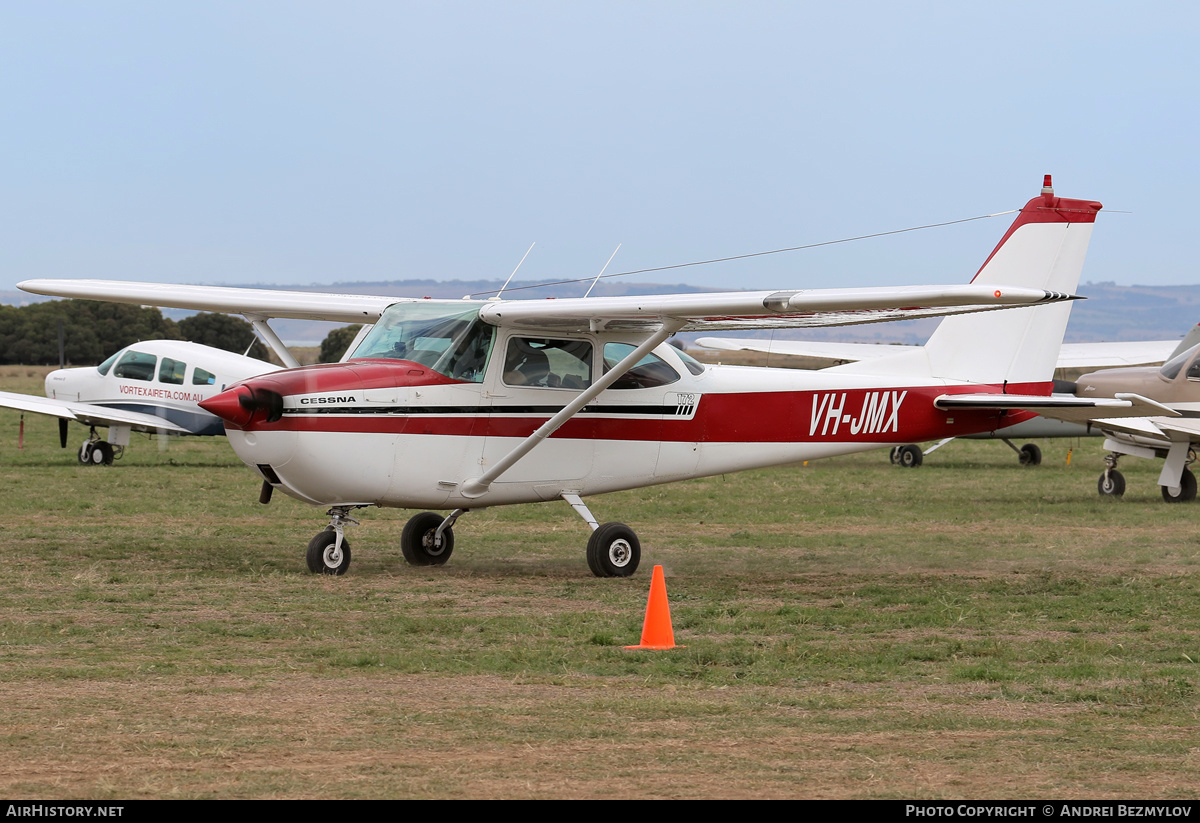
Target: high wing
(267,303)
(1070,356)
(723,310)
(88,413)
(779,309)
(1066,407)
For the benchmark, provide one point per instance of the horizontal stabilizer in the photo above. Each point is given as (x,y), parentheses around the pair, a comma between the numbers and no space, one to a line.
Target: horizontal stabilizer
(1065,407)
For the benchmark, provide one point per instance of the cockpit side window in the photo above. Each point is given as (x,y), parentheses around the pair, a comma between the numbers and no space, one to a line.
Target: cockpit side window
(135,365)
(171,371)
(546,363)
(200,377)
(648,372)
(107,364)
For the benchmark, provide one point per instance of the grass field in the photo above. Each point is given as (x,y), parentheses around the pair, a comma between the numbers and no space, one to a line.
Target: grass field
(852,629)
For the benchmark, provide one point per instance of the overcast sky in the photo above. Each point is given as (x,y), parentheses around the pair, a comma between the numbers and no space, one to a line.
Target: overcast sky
(299,142)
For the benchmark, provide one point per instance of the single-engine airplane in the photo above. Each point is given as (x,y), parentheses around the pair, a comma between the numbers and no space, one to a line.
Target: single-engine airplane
(1070,356)
(152,386)
(463,404)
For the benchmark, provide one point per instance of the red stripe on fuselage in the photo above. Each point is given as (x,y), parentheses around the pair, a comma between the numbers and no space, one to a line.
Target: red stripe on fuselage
(760,417)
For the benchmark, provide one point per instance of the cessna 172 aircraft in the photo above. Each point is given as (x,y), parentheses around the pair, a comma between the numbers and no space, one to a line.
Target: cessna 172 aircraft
(461,405)
(151,386)
(1070,356)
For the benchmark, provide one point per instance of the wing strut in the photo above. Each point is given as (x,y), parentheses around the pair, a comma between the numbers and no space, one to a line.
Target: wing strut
(267,333)
(479,485)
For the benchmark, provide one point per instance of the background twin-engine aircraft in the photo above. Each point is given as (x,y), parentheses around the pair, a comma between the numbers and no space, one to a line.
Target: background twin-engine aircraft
(153,386)
(462,404)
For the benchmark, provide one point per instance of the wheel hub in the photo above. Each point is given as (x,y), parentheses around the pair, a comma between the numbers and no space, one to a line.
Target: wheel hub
(433,546)
(619,552)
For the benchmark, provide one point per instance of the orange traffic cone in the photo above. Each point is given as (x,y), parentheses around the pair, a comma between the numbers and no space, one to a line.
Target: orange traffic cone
(656,630)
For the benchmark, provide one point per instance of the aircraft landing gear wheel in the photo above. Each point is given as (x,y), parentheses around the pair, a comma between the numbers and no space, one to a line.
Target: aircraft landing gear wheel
(1030,455)
(909,456)
(98,452)
(894,455)
(613,550)
(322,556)
(85,453)
(418,542)
(1112,484)
(1187,489)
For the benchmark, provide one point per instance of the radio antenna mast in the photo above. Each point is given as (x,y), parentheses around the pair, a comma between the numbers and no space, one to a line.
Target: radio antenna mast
(598,276)
(514,271)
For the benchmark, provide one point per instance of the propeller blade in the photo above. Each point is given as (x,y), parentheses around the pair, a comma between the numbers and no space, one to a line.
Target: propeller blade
(264,496)
(62,431)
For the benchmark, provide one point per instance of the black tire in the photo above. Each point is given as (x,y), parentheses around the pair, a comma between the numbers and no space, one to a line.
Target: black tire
(894,455)
(1111,484)
(1030,455)
(85,453)
(613,550)
(910,456)
(417,543)
(102,454)
(321,558)
(1187,489)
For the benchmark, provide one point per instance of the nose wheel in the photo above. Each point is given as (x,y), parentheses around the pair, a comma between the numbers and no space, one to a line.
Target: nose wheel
(326,555)
(329,551)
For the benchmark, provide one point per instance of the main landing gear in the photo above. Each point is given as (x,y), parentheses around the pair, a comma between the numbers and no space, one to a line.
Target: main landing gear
(909,456)
(1112,482)
(96,452)
(428,540)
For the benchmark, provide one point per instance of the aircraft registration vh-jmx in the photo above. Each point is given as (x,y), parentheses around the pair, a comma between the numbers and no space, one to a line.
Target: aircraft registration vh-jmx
(459,405)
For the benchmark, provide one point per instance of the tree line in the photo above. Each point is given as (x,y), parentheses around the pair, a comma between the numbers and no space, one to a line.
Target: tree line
(29,335)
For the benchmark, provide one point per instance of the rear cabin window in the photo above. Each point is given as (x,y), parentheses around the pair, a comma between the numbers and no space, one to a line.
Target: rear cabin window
(135,365)
(548,363)
(203,378)
(171,371)
(647,373)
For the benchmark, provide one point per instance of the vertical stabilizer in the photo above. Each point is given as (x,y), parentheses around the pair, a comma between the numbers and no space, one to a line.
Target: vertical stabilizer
(1044,248)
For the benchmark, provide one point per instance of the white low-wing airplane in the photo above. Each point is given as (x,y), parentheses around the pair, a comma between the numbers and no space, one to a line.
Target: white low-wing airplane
(152,386)
(462,404)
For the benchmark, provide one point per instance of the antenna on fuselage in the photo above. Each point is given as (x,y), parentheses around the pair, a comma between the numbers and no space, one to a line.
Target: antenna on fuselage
(601,274)
(514,271)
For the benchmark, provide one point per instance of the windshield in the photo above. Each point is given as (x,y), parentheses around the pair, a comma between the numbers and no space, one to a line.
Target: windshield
(445,338)
(1170,369)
